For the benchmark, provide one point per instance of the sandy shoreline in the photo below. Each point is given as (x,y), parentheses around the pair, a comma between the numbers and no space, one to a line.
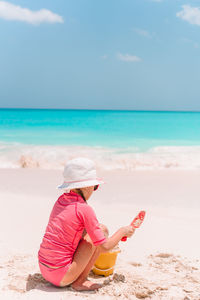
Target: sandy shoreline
(171,199)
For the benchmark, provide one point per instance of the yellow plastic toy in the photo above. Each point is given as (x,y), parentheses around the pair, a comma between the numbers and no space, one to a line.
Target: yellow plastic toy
(104,265)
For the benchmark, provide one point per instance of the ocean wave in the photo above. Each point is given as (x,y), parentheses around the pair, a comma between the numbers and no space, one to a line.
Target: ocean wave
(16,155)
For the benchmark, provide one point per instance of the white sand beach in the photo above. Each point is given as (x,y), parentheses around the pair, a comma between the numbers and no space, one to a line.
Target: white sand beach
(160,261)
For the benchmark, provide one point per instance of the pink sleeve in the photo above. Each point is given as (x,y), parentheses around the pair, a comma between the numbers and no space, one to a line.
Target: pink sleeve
(91,224)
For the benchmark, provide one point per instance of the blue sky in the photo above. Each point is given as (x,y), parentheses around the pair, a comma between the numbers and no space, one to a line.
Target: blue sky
(108,54)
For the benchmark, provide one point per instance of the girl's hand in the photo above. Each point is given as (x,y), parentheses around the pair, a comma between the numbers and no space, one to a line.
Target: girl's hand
(128,231)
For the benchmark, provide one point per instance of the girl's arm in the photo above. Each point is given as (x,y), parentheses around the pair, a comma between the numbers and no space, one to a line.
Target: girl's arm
(112,241)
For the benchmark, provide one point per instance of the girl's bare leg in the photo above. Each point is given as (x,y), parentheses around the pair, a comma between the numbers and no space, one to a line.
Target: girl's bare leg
(82,283)
(84,259)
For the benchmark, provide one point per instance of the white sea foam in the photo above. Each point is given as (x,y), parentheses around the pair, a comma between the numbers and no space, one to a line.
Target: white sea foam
(15,155)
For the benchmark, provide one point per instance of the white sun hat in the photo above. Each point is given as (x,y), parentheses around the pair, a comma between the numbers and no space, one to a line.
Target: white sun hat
(79,172)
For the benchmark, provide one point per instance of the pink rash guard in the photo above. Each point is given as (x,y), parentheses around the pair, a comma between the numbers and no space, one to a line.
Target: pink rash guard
(69,217)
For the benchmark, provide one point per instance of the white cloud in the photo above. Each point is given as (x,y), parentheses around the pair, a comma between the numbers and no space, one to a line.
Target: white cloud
(142,32)
(13,12)
(191,42)
(185,40)
(190,14)
(128,57)
(105,56)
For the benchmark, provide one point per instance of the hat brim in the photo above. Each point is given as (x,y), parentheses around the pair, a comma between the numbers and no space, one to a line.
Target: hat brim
(80,184)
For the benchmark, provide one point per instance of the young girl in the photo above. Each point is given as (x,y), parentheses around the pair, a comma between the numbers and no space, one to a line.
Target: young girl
(74,238)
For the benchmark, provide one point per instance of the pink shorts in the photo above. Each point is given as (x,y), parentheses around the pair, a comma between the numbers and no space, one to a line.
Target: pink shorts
(53,275)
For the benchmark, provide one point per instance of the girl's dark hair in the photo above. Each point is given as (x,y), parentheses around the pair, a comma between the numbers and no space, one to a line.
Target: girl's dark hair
(81,193)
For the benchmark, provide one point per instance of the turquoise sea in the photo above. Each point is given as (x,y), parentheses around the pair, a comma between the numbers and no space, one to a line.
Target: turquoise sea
(139,139)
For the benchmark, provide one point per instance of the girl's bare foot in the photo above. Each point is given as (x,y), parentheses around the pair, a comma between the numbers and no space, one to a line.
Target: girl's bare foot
(86,285)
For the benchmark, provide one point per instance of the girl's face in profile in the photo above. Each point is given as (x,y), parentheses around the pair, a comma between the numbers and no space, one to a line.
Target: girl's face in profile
(88,191)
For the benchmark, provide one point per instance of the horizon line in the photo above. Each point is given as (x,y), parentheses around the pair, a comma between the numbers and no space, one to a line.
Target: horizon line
(85,109)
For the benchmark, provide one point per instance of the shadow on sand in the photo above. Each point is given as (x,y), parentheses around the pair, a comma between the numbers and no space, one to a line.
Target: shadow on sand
(36,281)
